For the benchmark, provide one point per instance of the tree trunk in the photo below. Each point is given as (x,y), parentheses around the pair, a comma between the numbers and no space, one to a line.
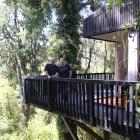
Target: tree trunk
(90,57)
(25,108)
(105,59)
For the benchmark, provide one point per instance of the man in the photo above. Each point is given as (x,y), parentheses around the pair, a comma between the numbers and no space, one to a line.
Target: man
(64,69)
(51,70)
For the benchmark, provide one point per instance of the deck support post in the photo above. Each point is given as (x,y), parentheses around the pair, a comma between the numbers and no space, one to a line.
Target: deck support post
(69,128)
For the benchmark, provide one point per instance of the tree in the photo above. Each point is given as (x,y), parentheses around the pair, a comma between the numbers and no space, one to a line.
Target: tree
(23,50)
(25,37)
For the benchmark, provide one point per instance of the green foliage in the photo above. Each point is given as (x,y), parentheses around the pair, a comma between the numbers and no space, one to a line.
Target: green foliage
(138,100)
(36,14)
(10,118)
(12,121)
(100,61)
(138,92)
(95,5)
(138,20)
(68,29)
(19,43)
(23,35)
(61,128)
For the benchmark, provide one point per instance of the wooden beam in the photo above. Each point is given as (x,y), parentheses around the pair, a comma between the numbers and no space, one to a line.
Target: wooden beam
(69,129)
(89,130)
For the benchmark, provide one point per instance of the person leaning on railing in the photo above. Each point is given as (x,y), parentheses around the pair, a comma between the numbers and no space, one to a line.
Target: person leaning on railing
(64,69)
(51,69)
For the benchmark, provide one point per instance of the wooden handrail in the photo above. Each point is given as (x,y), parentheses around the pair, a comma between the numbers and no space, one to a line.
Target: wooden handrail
(105,103)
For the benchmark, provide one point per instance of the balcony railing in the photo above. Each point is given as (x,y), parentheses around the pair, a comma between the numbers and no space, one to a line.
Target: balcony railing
(110,105)
(101,76)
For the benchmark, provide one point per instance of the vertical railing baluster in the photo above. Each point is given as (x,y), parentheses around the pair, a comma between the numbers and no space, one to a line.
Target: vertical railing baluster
(80,100)
(29,91)
(128,108)
(112,96)
(35,100)
(66,96)
(67,87)
(70,92)
(123,92)
(84,84)
(32,93)
(75,91)
(71,99)
(63,95)
(37,91)
(49,94)
(90,103)
(107,105)
(74,104)
(102,105)
(98,105)
(45,93)
(41,92)
(55,93)
(60,97)
(117,104)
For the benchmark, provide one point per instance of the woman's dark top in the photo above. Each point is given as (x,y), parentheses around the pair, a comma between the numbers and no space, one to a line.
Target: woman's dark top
(64,71)
(51,69)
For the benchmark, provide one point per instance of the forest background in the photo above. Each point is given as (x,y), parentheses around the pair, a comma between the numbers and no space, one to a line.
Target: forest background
(31,32)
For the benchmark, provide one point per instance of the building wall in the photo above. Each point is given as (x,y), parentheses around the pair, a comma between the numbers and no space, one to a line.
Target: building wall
(133,50)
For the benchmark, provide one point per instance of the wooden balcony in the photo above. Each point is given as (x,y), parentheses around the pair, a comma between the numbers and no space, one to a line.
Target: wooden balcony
(107,104)
(110,18)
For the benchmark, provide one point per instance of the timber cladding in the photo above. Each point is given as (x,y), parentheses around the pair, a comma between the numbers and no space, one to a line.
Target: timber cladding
(110,18)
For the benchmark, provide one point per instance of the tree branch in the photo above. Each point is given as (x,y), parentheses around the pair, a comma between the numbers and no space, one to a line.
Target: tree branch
(89,2)
(7,34)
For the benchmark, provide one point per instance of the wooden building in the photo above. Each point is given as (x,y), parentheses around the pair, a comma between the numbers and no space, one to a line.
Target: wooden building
(100,99)
(116,24)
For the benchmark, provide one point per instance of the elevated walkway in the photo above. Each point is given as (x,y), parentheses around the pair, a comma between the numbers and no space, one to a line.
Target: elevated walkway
(108,104)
